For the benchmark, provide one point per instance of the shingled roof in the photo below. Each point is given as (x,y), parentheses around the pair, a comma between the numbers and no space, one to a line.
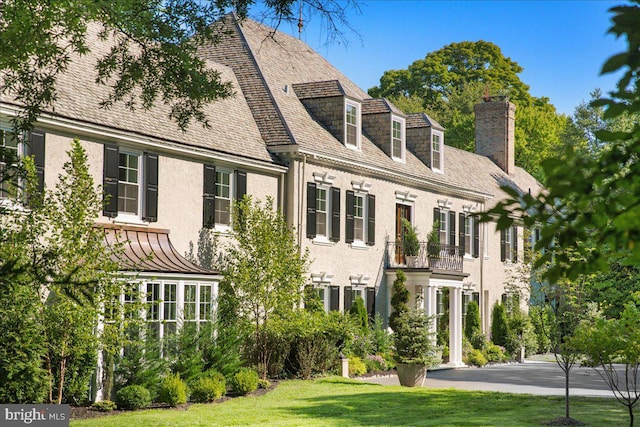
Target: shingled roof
(232,130)
(379,106)
(279,61)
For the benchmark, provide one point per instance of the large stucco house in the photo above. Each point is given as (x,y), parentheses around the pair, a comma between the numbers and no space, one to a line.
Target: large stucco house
(343,167)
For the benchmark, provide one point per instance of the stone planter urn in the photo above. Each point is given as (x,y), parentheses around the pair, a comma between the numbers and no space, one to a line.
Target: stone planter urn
(411,375)
(412,261)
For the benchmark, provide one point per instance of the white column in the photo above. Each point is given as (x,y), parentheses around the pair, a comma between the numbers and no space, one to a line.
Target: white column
(430,305)
(455,327)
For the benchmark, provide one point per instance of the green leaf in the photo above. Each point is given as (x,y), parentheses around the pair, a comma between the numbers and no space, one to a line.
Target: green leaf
(615,62)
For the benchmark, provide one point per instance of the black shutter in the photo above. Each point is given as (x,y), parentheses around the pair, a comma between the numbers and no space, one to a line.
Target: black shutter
(335,214)
(348,298)
(150,187)
(311,210)
(514,239)
(371,220)
(371,303)
(334,298)
(503,246)
(462,218)
(436,217)
(209,196)
(241,184)
(110,180)
(36,149)
(476,238)
(452,232)
(349,223)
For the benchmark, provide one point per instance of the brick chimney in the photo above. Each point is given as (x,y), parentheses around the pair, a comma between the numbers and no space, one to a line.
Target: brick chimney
(495,131)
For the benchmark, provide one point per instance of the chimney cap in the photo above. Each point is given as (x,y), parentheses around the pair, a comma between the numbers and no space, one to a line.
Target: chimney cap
(495,98)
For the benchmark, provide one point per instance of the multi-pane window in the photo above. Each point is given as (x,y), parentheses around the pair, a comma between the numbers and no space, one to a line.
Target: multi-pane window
(223,198)
(169,315)
(321,211)
(396,139)
(128,183)
(436,152)
(153,310)
(468,235)
(351,124)
(509,244)
(358,218)
(10,146)
(206,302)
(190,301)
(443,224)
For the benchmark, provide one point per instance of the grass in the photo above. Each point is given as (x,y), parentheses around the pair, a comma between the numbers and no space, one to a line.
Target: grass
(337,402)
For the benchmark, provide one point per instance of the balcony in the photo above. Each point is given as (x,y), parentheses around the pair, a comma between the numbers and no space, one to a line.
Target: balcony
(432,256)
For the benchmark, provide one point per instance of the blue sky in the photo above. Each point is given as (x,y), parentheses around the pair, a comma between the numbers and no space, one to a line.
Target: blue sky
(560,44)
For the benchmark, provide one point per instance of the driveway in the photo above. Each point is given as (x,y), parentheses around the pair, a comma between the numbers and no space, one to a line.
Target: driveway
(531,377)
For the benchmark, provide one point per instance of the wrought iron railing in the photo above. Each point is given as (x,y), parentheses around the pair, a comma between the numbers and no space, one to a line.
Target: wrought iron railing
(434,256)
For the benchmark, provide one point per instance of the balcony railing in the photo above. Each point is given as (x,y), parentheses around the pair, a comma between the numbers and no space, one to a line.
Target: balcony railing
(434,256)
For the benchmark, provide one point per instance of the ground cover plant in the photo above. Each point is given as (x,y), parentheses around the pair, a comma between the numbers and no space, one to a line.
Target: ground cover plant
(340,402)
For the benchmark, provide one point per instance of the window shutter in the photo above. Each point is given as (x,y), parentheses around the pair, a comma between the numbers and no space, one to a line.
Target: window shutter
(150,187)
(462,218)
(311,210)
(436,216)
(110,180)
(503,246)
(476,238)
(371,220)
(241,184)
(209,196)
(452,232)
(514,239)
(348,298)
(36,149)
(334,298)
(335,214)
(371,303)
(349,223)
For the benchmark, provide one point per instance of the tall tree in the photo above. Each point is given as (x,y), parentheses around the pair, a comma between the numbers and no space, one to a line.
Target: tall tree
(154,55)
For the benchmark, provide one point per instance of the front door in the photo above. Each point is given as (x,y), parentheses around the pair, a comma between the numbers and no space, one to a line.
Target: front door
(402,212)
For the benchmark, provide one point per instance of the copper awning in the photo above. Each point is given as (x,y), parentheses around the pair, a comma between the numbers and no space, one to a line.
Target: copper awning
(147,250)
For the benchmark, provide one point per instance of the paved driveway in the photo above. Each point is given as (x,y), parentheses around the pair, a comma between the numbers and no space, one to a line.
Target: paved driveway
(531,377)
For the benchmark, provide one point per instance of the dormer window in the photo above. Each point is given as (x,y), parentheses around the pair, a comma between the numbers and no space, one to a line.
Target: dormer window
(398,139)
(437,151)
(352,124)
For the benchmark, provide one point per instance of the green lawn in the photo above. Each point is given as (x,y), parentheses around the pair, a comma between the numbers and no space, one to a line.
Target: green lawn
(338,402)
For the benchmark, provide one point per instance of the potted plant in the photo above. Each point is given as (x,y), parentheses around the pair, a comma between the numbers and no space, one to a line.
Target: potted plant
(410,243)
(415,347)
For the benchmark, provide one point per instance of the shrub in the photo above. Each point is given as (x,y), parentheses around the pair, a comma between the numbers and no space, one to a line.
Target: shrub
(264,384)
(133,397)
(173,390)
(380,338)
(472,320)
(541,318)
(494,353)
(499,327)
(207,389)
(413,340)
(399,300)
(478,340)
(476,358)
(358,313)
(104,406)
(375,363)
(244,381)
(356,367)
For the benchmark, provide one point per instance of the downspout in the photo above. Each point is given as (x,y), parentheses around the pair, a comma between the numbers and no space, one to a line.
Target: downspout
(301,197)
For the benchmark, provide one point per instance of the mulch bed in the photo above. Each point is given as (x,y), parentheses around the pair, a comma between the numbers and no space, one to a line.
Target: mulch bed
(86,412)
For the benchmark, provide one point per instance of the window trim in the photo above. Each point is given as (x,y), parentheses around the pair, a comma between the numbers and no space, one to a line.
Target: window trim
(129,217)
(232,187)
(402,140)
(440,136)
(358,124)
(20,153)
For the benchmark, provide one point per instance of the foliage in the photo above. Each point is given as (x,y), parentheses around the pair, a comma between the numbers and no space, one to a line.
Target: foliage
(244,381)
(264,384)
(359,313)
(478,340)
(520,333)
(399,300)
(591,206)
(472,320)
(141,364)
(153,54)
(606,342)
(476,358)
(610,290)
(413,341)
(357,366)
(133,397)
(104,406)
(541,317)
(264,270)
(211,385)
(380,338)
(207,254)
(312,301)
(173,390)
(410,240)
(494,353)
(375,363)
(499,328)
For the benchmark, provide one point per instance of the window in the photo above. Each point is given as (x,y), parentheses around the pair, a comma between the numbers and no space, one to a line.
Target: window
(130,184)
(509,244)
(190,302)
(397,140)
(436,150)
(11,152)
(443,226)
(469,239)
(323,212)
(360,218)
(220,187)
(352,124)
(206,302)
(198,302)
